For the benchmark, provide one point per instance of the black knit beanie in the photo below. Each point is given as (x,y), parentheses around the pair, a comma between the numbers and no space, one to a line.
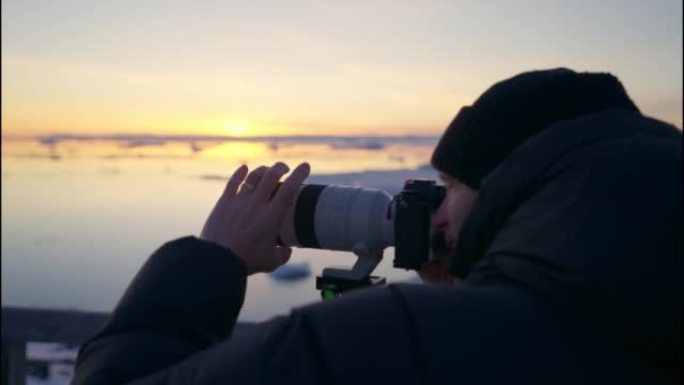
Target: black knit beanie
(511,111)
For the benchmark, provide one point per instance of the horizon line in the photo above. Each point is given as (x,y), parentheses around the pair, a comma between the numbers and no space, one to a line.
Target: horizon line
(53,138)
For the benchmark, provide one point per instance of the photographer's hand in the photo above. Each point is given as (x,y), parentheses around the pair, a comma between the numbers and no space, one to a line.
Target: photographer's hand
(247,221)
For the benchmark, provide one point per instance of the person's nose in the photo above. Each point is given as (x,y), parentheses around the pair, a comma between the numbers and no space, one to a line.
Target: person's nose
(440,222)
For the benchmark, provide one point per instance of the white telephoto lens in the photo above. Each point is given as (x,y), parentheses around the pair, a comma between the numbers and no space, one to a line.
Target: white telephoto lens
(339,218)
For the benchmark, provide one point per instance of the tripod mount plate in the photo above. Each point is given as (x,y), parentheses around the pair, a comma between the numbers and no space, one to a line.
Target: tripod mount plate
(331,287)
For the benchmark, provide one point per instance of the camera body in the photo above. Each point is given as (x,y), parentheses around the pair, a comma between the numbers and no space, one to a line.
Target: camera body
(413,208)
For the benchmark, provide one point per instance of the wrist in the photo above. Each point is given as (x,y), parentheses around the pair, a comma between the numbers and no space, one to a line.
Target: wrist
(231,254)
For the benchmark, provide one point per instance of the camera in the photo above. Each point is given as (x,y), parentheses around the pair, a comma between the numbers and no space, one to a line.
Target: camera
(364,221)
(414,207)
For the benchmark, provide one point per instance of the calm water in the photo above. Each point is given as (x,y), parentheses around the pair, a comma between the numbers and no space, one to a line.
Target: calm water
(79,218)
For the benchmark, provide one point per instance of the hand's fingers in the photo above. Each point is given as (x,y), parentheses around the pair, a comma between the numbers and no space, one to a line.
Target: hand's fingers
(288,190)
(269,181)
(252,180)
(235,180)
(255,176)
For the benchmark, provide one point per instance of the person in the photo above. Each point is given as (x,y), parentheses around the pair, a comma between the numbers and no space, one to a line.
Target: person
(562,219)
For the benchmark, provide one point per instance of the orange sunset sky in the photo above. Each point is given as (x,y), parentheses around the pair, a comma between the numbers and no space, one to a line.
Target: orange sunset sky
(312,67)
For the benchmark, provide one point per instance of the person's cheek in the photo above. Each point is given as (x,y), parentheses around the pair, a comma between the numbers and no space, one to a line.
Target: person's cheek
(452,227)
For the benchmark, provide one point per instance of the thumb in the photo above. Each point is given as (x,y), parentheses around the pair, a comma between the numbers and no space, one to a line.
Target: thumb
(282,254)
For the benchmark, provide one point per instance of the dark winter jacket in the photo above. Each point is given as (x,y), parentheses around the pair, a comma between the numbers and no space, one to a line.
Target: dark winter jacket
(572,266)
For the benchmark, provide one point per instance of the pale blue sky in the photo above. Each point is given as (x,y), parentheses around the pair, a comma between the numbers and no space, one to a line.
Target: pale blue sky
(307,66)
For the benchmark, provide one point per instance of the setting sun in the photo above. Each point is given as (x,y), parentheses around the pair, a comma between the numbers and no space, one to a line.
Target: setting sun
(236,128)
